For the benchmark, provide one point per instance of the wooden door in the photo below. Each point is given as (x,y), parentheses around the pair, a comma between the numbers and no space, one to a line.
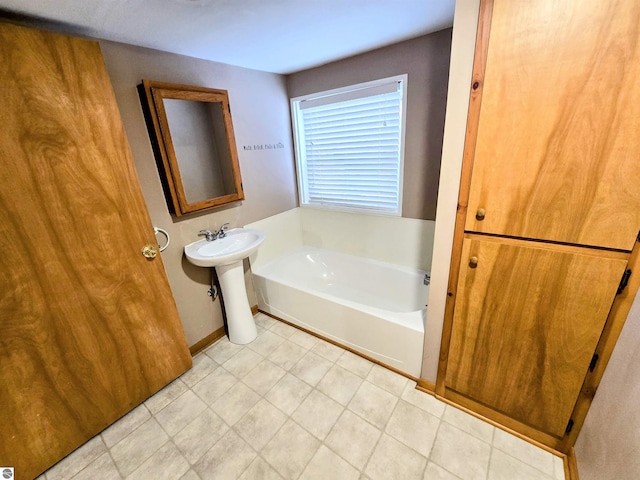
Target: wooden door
(89,327)
(528,317)
(557,152)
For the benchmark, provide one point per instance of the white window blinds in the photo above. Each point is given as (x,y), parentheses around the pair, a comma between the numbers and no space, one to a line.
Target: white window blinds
(349,147)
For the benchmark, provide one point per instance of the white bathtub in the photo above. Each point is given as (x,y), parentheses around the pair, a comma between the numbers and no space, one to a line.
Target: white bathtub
(376,308)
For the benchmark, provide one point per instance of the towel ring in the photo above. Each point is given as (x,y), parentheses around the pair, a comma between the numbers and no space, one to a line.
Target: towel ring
(157,230)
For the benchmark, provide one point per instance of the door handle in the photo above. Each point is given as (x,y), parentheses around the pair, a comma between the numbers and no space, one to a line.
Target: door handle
(150,252)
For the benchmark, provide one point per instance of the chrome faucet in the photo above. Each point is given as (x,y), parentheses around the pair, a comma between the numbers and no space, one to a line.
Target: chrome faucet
(223,230)
(211,236)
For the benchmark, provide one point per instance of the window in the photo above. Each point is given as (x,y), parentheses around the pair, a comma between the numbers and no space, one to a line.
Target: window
(349,146)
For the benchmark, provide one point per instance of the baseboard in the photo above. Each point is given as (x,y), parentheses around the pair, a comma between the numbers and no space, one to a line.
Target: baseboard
(206,341)
(426,386)
(254,309)
(360,354)
(571,466)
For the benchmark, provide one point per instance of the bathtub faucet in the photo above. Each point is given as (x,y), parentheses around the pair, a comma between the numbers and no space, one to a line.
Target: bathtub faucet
(427,278)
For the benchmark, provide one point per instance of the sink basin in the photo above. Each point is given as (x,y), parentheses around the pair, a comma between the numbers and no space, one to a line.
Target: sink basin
(239,243)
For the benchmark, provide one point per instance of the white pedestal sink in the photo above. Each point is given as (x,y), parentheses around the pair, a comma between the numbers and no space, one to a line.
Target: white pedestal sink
(226,255)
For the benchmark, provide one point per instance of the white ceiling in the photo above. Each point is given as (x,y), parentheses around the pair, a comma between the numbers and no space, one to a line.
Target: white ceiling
(281,36)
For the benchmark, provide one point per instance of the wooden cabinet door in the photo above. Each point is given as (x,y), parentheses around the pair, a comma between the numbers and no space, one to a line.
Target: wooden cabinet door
(88,326)
(527,321)
(557,153)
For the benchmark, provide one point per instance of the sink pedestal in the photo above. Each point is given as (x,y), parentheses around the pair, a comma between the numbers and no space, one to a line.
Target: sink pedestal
(242,328)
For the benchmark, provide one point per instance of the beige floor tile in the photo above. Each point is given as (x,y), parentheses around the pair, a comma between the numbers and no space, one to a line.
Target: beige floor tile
(287,354)
(355,364)
(165,396)
(166,464)
(203,365)
(264,321)
(303,339)
(179,413)
(223,350)
(353,438)
(263,377)
(240,400)
(311,368)
(426,402)
(461,453)
(393,460)
(227,459)
(260,424)
(327,465)
(290,450)
(327,350)
(373,404)
(524,451)
(200,435)
(339,384)
(282,329)
(243,362)
(138,446)
(265,343)
(558,468)
(214,385)
(436,472)
(260,470)
(237,401)
(125,425)
(468,423)
(414,427)
(317,414)
(190,475)
(388,380)
(101,468)
(288,393)
(503,466)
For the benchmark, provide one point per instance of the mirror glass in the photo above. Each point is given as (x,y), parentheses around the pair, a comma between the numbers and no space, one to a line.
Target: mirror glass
(195,149)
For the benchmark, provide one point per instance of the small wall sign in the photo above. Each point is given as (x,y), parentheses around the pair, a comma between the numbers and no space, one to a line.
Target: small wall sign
(263,146)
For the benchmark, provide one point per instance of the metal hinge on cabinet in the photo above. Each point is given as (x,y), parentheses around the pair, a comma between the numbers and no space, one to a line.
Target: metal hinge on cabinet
(569,427)
(624,281)
(594,360)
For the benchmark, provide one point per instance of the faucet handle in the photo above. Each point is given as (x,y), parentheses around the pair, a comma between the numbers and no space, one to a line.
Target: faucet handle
(223,229)
(209,234)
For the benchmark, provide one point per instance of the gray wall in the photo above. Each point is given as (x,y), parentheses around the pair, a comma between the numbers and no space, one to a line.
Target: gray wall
(260,110)
(426,61)
(609,443)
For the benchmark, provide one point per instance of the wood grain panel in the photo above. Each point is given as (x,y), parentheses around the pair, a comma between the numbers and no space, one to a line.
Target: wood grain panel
(617,318)
(527,321)
(475,98)
(89,326)
(558,149)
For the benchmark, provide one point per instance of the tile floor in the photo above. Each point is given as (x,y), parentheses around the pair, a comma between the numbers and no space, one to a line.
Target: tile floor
(291,406)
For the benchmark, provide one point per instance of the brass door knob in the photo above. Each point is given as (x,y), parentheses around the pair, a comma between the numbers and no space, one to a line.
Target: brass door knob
(149,251)
(480,214)
(473,262)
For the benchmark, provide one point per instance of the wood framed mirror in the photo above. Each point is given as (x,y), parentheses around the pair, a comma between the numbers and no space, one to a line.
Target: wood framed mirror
(192,135)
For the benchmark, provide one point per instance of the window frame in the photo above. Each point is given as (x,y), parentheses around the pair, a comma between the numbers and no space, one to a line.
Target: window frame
(299,142)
